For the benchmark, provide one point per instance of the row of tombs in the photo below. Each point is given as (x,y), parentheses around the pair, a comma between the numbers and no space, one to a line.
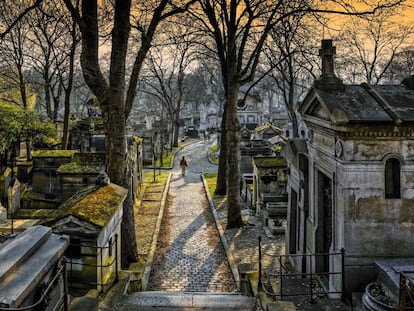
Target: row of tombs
(62,218)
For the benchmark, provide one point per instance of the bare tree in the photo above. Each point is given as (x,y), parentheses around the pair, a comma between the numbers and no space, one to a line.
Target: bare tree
(15,46)
(66,73)
(289,61)
(54,38)
(168,66)
(367,47)
(402,65)
(46,29)
(239,30)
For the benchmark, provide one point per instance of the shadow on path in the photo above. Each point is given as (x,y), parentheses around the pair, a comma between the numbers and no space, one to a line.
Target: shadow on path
(189,255)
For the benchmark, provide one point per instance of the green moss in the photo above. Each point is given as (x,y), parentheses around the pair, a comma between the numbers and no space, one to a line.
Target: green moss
(269,161)
(99,206)
(76,168)
(53,153)
(32,213)
(51,141)
(93,204)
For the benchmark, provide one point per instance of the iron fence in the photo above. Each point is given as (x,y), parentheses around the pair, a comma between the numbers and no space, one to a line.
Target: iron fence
(98,266)
(282,273)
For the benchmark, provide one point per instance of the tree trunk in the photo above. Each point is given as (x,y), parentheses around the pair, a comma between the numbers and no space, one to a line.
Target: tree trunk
(221,172)
(176,126)
(47,96)
(234,219)
(112,102)
(118,171)
(128,241)
(292,111)
(68,90)
(115,127)
(65,137)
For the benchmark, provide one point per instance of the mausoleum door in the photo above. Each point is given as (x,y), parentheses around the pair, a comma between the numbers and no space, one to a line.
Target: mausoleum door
(303,207)
(324,230)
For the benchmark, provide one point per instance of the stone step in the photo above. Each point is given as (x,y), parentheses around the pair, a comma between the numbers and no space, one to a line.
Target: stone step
(188,301)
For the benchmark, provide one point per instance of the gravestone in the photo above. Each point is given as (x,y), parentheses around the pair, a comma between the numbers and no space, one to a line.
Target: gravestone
(5,180)
(13,194)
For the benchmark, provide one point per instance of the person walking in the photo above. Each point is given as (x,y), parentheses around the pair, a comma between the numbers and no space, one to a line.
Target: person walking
(183,165)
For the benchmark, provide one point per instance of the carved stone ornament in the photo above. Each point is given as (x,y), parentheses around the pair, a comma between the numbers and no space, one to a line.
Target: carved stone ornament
(338,148)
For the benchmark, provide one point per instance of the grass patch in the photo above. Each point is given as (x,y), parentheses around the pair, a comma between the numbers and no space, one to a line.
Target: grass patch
(160,177)
(146,212)
(167,158)
(211,179)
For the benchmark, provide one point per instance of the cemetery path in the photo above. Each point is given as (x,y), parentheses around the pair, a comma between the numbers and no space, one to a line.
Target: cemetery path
(189,255)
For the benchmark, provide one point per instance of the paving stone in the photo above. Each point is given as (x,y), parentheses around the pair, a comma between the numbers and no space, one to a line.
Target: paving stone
(189,256)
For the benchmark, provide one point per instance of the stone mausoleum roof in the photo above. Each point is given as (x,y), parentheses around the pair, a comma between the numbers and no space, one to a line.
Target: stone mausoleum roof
(97,206)
(331,100)
(370,103)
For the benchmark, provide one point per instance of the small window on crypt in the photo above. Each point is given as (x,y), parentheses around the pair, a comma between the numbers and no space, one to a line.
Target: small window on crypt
(392,179)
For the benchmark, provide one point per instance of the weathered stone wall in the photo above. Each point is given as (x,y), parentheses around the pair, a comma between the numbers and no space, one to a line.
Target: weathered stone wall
(365,223)
(45,165)
(110,236)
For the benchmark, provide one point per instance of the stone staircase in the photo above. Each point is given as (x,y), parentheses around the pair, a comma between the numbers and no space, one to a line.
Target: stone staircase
(183,301)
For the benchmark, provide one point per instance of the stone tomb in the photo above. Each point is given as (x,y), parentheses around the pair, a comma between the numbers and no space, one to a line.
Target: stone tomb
(355,178)
(28,262)
(92,218)
(387,289)
(269,191)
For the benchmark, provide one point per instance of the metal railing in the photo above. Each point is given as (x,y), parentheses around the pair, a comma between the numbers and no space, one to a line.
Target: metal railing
(42,302)
(312,277)
(99,266)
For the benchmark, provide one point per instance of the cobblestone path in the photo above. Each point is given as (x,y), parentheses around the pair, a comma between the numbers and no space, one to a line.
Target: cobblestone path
(189,255)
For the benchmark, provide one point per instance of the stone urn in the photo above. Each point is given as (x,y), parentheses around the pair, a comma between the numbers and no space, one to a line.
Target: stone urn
(374,299)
